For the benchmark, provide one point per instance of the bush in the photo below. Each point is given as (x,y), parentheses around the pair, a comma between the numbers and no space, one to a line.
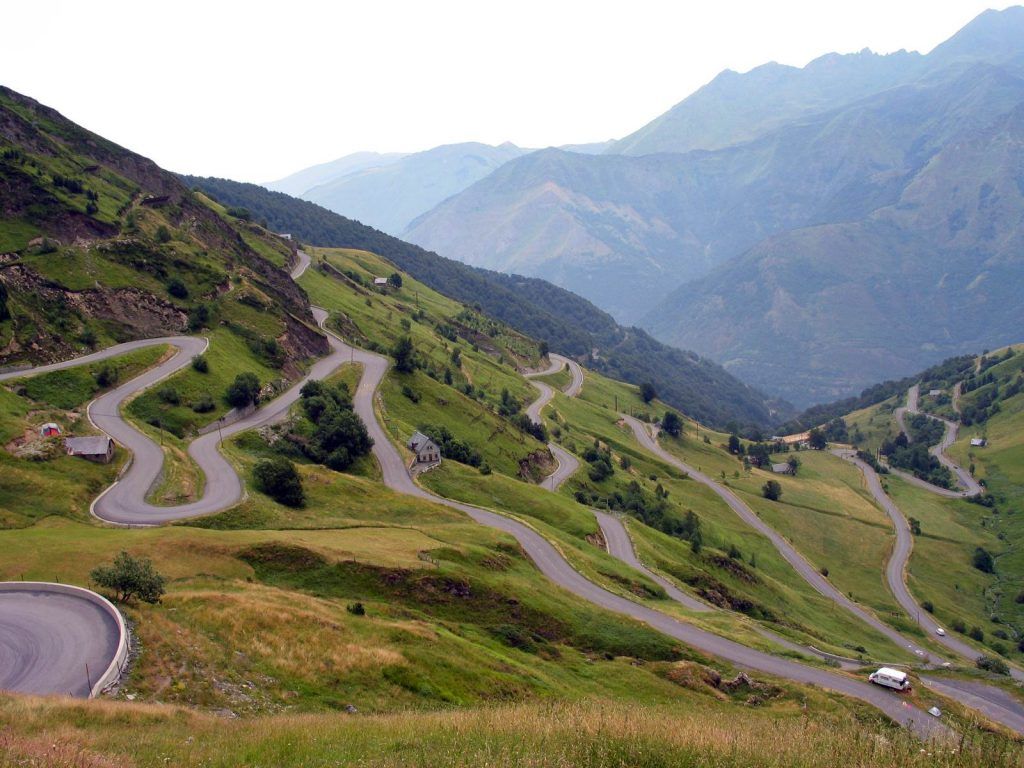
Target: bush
(772,490)
(959,626)
(200,364)
(106,376)
(928,606)
(992,664)
(130,577)
(243,391)
(410,393)
(982,560)
(278,478)
(204,404)
(168,394)
(177,288)
(163,234)
(356,609)
(976,634)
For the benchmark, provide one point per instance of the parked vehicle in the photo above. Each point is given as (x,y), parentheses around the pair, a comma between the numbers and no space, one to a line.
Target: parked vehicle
(890,678)
(940,632)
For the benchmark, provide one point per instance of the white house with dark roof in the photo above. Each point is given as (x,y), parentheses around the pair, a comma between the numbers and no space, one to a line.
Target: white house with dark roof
(426,450)
(99,449)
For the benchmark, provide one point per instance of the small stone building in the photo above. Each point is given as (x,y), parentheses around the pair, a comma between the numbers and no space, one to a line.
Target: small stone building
(782,469)
(99,449)
(426,450)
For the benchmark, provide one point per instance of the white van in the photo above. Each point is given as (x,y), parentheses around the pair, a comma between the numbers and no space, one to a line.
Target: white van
(890,678)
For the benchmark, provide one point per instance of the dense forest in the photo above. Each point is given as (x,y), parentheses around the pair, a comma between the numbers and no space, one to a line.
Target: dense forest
(570,324)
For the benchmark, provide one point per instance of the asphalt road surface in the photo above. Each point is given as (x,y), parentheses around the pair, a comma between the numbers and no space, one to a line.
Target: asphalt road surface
(567,463)
(47,641)
(557,569)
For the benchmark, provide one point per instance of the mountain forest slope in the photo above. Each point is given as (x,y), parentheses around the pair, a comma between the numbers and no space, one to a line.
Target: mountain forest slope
(852,158)
(536,307)
(98,245)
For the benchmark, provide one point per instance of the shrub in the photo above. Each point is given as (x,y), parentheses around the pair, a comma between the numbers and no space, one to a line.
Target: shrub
(976,634)
(410,393)
(356,609)
(168,394)
(177,288)
(982,560)
(130,577)
(959,626)
(928,606)
(278,478)
(200,364)
(106,376)
(163,234)
(772,490)
(992,664)
(204,404)
(243,391)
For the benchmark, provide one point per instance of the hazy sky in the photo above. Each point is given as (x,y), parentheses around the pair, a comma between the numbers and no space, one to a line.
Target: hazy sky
(257,90)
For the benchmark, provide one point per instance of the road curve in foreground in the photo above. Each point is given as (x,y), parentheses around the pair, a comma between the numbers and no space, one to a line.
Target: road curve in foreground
(551,563)
(55,642)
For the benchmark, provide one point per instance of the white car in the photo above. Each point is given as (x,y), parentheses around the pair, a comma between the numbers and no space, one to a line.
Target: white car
(940,632)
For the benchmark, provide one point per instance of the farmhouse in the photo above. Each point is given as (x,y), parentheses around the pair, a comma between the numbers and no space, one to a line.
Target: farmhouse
(782,469)
(934,392)
(99,449)
(49,429)
(380,281)
(426,450)
(978,442)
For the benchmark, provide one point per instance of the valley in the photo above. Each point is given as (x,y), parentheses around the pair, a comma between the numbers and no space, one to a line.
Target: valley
(340,470)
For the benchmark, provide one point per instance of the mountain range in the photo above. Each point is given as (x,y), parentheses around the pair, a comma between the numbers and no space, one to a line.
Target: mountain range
(734,224)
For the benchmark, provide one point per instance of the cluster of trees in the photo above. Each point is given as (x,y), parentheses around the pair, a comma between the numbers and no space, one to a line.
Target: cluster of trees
(337,436)
(243,391)
(652,509)
(451,447)
(914,458)
(600,461)
(535,307)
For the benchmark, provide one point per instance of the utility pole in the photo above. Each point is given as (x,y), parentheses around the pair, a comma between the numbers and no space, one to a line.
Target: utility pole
(220,423)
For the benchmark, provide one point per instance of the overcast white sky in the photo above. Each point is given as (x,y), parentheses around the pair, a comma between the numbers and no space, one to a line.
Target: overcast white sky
(257,90)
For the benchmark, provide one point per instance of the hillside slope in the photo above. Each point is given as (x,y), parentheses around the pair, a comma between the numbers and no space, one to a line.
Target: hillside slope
(570,324)
(100,245)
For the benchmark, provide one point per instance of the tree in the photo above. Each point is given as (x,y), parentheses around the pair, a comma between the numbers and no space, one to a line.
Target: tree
(647,391)
(982,560)
(243,391)
(772,490)
(177,288)
(817,440)
(735,447)
(915,526)
(395,280)
(672,424)
(5,313)
(278,478)
(404,354)
(794,464)
(130,577)
(542,349)
(200,364)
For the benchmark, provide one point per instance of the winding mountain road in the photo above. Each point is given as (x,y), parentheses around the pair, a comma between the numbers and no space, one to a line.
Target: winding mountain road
(567,463)
(969,486)
(223,488)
